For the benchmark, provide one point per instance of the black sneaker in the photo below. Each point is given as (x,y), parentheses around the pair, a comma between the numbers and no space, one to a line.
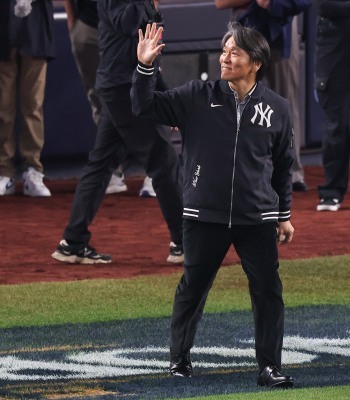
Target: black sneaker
(328,204)
(79,254)
(176,254)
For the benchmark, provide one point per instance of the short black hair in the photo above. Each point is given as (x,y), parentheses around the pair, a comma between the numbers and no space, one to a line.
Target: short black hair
(251,41)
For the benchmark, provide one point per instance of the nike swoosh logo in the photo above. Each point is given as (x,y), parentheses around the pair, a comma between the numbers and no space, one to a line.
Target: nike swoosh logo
(212,105)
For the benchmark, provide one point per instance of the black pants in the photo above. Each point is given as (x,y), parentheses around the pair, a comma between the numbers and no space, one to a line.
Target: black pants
(333,88)
(119,132)
(205,246)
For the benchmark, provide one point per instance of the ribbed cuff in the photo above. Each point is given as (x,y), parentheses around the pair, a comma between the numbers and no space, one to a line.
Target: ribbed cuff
(145,69)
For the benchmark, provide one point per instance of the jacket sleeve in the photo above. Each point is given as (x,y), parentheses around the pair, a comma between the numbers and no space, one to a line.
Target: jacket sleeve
(127,16)
(287,8)
(283,159)
(334,8)
(166,107)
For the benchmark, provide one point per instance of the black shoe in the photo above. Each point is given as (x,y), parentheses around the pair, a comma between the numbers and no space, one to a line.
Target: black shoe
(300,186)
(181,366)
(271,377)
(176,254)
(328,204)
(79,254)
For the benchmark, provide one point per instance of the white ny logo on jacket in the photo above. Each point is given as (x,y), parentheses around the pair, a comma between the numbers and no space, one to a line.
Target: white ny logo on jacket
(264,115)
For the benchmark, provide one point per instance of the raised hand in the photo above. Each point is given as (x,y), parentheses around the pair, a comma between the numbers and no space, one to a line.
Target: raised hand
(149,46)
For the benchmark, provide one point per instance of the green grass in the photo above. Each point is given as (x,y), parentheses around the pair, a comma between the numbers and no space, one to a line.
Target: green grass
(306,282)
(324,393)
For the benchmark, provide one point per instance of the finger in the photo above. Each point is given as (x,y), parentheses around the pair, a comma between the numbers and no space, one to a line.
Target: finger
(153,30)
(284,238)
(158,34)
(140,35)
(159,48)
(148,29)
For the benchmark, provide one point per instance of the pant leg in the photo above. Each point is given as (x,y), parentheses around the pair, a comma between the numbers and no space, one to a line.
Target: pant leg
(84,41)
(335,151)
(119,131)
(103,160)
(32,84)
(283,77)
(257,248)
(8,88)
(332,82)
(145,141)
(205,246)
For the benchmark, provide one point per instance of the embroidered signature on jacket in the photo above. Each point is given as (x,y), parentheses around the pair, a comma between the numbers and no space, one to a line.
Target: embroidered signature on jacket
(196,176)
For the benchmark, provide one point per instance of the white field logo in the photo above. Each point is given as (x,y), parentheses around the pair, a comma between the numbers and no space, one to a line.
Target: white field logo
(154,360)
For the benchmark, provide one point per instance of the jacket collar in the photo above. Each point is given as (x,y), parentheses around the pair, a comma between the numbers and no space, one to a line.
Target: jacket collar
(256,93)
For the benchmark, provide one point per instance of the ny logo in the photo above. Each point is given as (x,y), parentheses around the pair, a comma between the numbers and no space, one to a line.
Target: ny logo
(264,115)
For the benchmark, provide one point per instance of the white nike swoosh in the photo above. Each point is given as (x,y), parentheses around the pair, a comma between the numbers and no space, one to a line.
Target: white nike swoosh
(216,105)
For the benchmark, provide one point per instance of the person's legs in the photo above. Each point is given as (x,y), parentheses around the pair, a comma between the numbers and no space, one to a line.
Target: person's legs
(84,41)
(119,131)
(332,82)
(32,92)
(257,248)
(144,140)
(205,246)
(335,151)
(283,78)
(8,79)
(92,185)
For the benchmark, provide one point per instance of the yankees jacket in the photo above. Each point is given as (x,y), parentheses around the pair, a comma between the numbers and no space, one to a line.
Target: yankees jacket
(233,174)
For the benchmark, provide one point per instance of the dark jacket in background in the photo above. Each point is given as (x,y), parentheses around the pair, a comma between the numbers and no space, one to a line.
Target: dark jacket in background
(4,26)
(32,35)
(119,22)
(275,22)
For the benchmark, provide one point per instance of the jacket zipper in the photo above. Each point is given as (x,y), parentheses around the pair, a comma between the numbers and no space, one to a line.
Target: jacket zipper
(234,160)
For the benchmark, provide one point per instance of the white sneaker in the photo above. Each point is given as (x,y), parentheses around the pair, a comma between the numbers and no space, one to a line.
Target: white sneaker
(116,184)
(147,188)
(33,184)
(7,186)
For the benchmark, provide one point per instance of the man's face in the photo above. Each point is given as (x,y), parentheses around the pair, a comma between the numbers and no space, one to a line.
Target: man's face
(236,64)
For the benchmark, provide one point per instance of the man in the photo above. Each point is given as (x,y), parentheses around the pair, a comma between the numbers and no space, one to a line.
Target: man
(119,131)
(26,46)
(82,20)
(238,154)
(332,82)
(276,20)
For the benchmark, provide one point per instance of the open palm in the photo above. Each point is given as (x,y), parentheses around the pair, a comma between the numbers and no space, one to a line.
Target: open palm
(148,47)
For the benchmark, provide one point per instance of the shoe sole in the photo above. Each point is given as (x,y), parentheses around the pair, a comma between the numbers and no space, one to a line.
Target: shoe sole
(175,259)
(281,385)
(77,260)
(9,192)
(116,189)
(147,194)
(28,193)
(328,208)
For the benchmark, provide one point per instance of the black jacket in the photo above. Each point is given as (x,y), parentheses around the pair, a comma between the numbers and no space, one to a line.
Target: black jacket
(275,21)
(232,175)
(32,35)
(119,22)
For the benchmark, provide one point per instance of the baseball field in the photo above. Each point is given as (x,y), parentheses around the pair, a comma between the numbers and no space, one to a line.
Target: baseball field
(101,332)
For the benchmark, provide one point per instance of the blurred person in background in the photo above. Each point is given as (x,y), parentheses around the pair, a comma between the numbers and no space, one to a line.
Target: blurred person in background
(332,82)
(119,133)
(82,20)
(26,46)
(276,20)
